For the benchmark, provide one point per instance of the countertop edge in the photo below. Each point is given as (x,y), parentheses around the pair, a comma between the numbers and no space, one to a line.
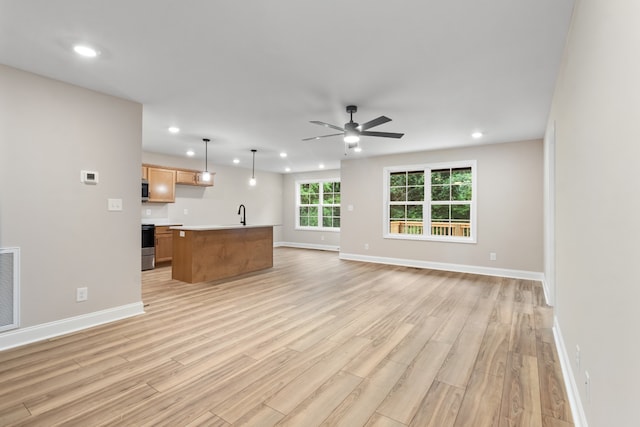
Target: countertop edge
(219,227)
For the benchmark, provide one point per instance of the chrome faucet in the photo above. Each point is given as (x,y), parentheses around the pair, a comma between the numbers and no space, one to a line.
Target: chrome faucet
(243,215)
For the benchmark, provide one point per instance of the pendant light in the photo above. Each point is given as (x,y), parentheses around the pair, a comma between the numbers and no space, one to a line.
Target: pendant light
(206,176)
(252,181)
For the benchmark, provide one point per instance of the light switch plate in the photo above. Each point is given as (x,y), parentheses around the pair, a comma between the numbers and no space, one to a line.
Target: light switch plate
(114,204)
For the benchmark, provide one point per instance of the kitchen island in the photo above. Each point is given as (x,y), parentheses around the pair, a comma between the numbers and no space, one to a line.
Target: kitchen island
(214,252)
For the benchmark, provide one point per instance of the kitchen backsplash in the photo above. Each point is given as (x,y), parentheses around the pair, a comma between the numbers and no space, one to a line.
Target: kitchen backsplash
(151,211)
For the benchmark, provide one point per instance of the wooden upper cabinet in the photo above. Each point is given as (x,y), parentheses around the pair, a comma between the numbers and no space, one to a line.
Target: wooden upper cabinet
(163,180)
(185,177)
(162,185)
(199,180)
(190,177)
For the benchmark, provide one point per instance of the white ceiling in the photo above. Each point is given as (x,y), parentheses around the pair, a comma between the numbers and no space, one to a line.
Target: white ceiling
(253,73)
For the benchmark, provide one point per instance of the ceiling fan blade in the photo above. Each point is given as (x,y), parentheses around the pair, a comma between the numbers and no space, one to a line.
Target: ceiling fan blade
(375,122)
(326,125)
(322,136)
(382,134)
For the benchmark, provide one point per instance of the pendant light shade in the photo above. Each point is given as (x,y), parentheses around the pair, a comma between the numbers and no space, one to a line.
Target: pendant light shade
(252,181)
(206,176)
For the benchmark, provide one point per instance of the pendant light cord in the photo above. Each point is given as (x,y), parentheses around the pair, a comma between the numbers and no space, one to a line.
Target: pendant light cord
(253,167)
(206,153)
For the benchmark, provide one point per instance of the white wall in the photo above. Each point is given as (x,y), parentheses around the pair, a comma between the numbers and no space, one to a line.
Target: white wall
(321,239)
(219,204)
(49,132)
(509,205)
(596,112)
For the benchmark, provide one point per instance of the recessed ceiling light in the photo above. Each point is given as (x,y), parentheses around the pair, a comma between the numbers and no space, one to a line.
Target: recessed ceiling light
(283,154)
(236,161)
(476,135)
(174,129)
(287,169)
(321,165)
(86,51)
(190,153)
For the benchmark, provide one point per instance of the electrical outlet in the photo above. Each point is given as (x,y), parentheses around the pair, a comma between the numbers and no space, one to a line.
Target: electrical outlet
(321,237)
(577,357)
(148,211)
(587,386)
(492,256)
(82,294)
(366,246)
(186,211)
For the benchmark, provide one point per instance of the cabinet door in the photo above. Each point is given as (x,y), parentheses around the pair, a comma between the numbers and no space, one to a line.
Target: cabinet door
(164,244)
(199,180)
(192,178)
(186,177)
(162,185)
(145,172)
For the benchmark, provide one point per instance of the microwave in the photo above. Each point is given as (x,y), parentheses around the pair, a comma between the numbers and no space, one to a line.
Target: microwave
(145,190)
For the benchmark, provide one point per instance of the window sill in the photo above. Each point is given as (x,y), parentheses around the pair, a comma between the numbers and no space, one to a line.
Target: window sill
(430,238)
(323,229)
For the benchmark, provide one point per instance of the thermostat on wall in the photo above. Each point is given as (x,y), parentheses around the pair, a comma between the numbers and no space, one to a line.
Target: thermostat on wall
(89,177)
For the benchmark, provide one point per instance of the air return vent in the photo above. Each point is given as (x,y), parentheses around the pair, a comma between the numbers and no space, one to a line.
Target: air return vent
(9,279)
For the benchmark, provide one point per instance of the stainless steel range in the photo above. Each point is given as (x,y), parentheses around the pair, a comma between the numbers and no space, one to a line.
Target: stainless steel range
(148,246)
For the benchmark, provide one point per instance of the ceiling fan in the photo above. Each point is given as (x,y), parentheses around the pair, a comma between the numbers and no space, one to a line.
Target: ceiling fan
(352,130)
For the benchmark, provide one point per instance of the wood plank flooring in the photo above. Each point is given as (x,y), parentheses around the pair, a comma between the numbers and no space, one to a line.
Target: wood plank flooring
(314,341)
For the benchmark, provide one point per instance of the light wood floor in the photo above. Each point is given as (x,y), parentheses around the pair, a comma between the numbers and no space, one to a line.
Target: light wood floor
(313,341)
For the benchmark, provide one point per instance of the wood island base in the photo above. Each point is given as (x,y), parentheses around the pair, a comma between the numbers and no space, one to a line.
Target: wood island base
(218,253)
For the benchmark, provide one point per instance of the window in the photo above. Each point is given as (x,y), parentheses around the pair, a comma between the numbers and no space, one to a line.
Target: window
(318,205)
(431,202)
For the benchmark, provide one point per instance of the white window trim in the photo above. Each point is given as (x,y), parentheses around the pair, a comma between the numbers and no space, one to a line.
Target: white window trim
(297,206)
(427,167)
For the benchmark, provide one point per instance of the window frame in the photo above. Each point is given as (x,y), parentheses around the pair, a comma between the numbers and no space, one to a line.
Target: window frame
(427,202)
(320,205)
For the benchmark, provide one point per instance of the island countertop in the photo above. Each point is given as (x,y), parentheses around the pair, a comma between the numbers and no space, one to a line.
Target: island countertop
(218,227)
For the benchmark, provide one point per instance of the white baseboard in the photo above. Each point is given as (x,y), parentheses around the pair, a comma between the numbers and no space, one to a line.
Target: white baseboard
(545,289)
(307,246)
(577,410)
(460,268)
(22,336)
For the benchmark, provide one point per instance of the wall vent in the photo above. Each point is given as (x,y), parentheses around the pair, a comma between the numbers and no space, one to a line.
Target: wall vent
(9,282)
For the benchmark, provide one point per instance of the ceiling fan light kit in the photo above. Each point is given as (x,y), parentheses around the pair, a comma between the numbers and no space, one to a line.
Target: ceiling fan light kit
(352,131)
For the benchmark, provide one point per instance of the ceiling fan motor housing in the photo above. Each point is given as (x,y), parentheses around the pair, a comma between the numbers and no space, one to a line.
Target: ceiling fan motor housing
(351,127)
